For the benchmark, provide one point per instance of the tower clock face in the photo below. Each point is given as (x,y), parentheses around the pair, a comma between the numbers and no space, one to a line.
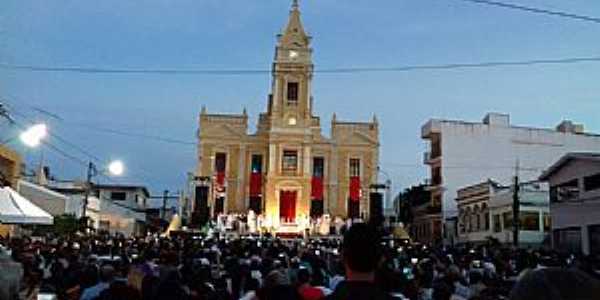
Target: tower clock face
(293,54)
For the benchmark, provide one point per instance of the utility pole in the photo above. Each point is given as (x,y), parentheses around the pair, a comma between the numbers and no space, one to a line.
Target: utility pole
(164,204)
(88,187)
(516,207)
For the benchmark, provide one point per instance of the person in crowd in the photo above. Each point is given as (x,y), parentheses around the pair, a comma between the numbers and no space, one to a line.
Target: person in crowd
(305,289)
(338,274)
(107,273)
(361,254)
(10,276)
(476,283)
(556,284)
(365,264)
(277,286)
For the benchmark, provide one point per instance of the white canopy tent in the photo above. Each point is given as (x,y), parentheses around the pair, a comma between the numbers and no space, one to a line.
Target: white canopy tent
(15,209)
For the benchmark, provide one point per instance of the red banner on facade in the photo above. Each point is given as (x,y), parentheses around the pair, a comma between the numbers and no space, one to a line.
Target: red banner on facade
(317,188)
(255,184)
(220,181)
(355,188)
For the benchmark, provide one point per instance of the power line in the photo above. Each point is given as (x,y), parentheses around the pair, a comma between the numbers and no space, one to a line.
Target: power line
(65,154)
(158,138)
(55,148)
(137,135)
(93,157)
(537,10)
(58,150)
(59,138)
(59,118)
(450,66)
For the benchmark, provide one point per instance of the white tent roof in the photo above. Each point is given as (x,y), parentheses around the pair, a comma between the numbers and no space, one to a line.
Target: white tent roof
(15,209)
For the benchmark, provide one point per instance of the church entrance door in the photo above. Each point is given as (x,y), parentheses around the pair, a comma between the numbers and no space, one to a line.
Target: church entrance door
(287,206)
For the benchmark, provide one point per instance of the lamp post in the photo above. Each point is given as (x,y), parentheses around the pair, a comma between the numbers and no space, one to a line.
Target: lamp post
(388,190)
(115,168)
(32,136)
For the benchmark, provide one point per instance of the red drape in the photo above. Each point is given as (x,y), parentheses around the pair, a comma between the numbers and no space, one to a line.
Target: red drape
(255,184)
(317,188)
(220,184)
(287,206)
(355,188)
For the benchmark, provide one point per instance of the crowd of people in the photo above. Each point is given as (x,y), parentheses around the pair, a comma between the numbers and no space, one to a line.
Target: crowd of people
(363,264)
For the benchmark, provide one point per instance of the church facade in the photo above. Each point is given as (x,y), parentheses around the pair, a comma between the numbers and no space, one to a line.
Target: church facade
(288,170)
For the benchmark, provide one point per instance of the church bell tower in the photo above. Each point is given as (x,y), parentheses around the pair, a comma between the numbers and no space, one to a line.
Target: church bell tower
(292,75)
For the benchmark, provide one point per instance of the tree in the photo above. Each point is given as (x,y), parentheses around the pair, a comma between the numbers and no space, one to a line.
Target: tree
(65,224)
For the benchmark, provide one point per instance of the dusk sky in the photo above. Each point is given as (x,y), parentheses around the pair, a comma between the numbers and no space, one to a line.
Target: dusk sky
(241,35)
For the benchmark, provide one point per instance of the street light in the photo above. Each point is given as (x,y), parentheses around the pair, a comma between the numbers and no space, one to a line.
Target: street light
(387,187)
(33,136)
(115,168)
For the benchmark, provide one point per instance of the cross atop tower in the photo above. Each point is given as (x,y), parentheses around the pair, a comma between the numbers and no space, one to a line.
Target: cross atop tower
(294,35)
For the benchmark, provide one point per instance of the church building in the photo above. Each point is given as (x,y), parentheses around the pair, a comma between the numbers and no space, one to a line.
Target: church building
(287,170)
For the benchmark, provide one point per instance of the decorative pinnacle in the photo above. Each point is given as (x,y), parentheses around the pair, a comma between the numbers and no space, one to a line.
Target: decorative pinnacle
(295,4)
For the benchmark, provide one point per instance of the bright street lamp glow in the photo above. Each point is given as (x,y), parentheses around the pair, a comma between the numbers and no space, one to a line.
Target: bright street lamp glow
(116,168)
(33,136)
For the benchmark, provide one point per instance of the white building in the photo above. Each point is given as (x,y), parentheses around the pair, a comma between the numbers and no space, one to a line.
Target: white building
(534,214)
(485,211)
(114,208)
(119,208)
(462,153)
(575,202)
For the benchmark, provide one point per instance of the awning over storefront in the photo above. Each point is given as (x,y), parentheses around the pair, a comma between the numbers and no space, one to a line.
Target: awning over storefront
(15,209)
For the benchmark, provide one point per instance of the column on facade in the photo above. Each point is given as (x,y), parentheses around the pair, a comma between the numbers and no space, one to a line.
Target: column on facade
(333,190)
(241,201)
(272,159)
(304,203)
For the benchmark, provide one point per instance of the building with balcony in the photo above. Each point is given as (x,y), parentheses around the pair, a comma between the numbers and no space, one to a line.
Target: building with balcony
(575,202)
(462,153)
(287,170)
